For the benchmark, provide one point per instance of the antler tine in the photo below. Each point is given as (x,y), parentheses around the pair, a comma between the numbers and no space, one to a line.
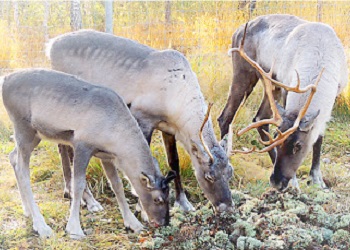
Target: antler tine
(201,133)
(244,34)
(298,80)
(282,136)
(263,73)
(245,152)
(308,101)
(276,118)
(270,141)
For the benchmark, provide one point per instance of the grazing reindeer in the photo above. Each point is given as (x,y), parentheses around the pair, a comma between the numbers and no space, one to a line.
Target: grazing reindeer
(296,52)
(45,104)
(162,93)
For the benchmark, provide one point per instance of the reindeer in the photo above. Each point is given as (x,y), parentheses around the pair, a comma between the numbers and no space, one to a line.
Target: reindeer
(162,93)
(298,53)
(46,104)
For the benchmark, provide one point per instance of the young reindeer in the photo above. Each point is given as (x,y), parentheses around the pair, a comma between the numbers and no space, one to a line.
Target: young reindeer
(162,93)
(298,53)
(46,104)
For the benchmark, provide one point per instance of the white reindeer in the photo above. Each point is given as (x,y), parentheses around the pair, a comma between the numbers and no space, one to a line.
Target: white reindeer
(297,52)
(46,104)
(162,93)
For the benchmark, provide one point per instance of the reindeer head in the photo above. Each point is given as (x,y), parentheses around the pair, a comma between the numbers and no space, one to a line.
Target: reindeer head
(214,173)
(155,197)
(292,152)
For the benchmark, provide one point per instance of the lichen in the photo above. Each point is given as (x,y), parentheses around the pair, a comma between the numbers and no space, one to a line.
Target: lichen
(149,244)
(344,222)
(250,243)
(274,242)
(322,197)
(250,205)
(276,220)
(222,241)
(327,234)
(319,216)
(297,238)
(341,239)
(158,242)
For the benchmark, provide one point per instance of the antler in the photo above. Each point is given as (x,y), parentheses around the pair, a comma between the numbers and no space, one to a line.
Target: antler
(276,118)
(201,132)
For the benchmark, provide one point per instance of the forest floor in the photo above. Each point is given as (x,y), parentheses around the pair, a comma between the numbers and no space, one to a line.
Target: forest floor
(263,218)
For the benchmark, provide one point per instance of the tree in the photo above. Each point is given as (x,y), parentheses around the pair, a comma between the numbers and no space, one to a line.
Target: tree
(109,16)
(167,12)
(46,19)
(75,15)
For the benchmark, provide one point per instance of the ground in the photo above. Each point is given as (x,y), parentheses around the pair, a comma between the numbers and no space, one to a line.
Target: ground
(262,217)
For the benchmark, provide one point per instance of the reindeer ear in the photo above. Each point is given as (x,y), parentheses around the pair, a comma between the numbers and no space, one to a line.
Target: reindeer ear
(308,121)
(198,151)
(147,181)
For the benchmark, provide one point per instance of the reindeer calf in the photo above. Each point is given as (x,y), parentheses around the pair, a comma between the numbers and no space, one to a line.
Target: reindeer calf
(45,104)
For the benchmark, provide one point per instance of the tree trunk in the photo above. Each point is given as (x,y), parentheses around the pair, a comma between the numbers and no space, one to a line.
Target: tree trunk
(319,10)
(109,16)
(75,15)
(46,19)
(16,13)
(168,12)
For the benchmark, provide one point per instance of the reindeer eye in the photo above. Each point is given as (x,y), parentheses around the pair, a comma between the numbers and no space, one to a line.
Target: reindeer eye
(209,177)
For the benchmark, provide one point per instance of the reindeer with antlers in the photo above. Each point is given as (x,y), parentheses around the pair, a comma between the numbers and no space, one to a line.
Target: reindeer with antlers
(307,55)
(162,93)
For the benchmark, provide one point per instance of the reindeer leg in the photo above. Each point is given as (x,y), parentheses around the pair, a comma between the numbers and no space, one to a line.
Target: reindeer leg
(25,143)
(315,171)
(82,155)
(88,199)
(67,174)
(13,161)
(130,221)
(173,160)
(243,83)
